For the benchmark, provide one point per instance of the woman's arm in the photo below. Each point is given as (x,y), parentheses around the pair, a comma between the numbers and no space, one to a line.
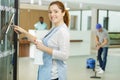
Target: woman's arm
(63,43)
(20,30)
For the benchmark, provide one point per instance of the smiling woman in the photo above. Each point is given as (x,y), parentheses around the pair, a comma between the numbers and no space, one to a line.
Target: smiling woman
(55,44)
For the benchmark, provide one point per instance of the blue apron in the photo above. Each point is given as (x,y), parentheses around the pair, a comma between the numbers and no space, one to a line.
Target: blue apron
(44,71)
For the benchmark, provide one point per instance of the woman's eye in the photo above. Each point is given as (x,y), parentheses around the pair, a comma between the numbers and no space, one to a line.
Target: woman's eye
(49,12)
(56,11)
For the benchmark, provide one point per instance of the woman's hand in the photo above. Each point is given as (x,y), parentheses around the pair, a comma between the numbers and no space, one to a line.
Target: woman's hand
(39,44)
(19,30)
(42,47)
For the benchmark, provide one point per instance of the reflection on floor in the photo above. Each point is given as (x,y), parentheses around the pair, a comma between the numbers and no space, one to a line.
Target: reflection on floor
(76,68)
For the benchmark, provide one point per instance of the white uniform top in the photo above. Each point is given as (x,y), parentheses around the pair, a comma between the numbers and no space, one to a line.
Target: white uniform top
(59,42)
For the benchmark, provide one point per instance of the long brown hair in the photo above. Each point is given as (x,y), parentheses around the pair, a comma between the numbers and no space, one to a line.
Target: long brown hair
(62,7)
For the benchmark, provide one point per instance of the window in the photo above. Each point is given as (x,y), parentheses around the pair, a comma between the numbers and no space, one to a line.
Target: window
(75,20)
(114,21)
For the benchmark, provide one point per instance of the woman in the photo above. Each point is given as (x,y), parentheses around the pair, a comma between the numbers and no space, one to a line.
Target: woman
(55,44)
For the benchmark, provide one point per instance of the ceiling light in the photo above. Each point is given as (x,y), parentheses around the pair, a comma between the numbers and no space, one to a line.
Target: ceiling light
(39,2)
(31,1)
(81,5)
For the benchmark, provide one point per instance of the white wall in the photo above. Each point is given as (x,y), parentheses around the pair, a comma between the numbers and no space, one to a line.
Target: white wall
(106,2)
(80,48)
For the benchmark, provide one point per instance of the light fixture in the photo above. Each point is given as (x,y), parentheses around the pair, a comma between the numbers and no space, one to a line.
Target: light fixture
(81,5)
(39,2)
(31,1)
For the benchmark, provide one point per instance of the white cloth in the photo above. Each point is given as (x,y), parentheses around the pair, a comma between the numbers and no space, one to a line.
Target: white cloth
(38,56)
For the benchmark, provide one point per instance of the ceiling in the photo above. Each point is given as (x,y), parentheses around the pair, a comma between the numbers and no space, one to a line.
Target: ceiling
(79,4)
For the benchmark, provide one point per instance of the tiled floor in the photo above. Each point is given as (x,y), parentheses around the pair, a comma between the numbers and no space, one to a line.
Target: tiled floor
(76,68)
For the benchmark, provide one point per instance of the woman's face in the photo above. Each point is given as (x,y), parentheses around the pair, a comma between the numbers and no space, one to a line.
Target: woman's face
(55,14)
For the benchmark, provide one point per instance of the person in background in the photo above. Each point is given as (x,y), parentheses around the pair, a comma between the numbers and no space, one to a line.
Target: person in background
(55,44)
(102,44)
(41,25)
